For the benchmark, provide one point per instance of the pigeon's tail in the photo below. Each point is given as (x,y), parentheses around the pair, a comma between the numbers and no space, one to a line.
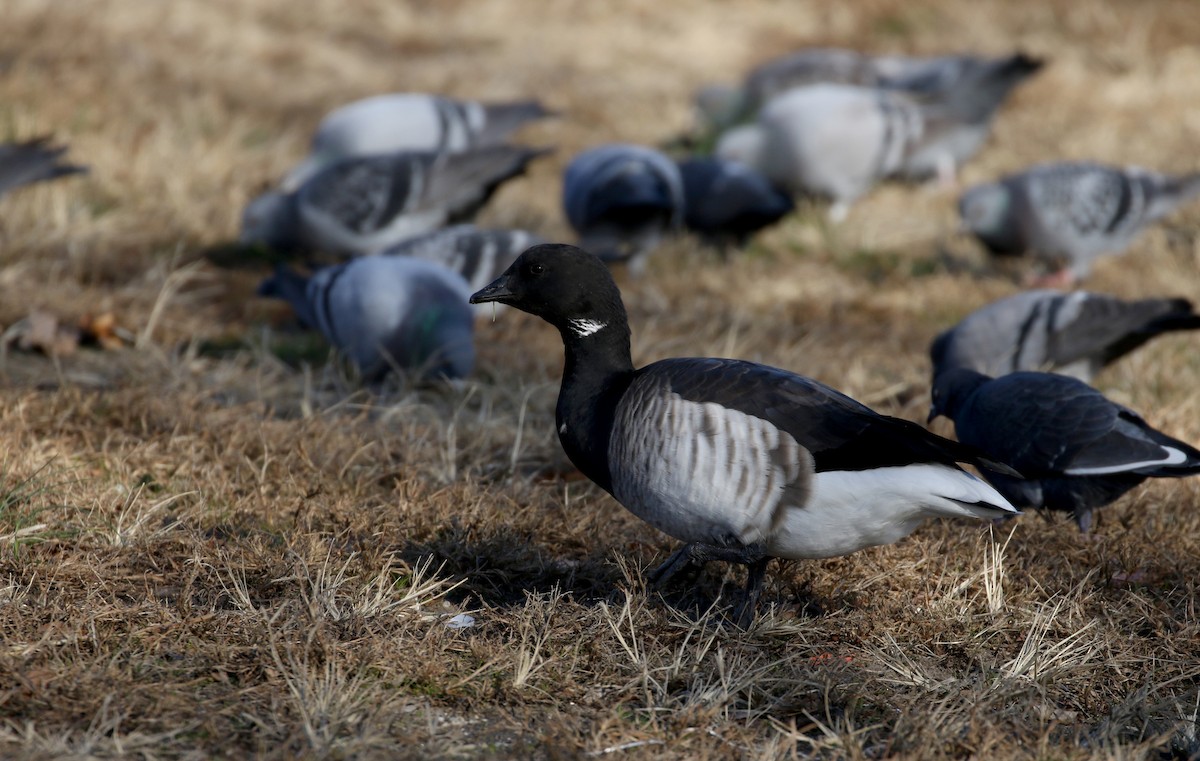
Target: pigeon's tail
(32,161)
(505,118)
(1173,192)
(975,98)
(1159,316)
(290,286)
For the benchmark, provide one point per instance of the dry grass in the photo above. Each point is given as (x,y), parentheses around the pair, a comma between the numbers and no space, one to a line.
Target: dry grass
(212,553)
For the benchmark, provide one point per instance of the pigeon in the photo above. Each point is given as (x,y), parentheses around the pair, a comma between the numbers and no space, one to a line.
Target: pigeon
(932,77)
(622,200)
(411,122)
(726,202)
(384,312)
(838,141)
(741,461)
(477,254)
(32,161)
(1076,450)
(1071,213)
(1075,334)
(363,205)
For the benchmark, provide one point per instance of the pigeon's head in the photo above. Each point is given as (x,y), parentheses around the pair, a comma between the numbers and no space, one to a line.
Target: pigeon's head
(564,285)
(743,145)
(269,220)
(985,210)
(719,105)
(952,389)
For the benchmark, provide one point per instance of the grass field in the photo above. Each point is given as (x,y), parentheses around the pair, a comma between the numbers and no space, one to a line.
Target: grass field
(206,551)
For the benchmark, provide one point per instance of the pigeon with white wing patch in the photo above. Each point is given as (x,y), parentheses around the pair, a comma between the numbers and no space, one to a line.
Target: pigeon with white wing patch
(1076,449)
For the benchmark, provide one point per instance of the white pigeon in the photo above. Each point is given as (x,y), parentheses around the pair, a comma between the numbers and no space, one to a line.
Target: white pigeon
(723,106)
(838,141)
(363,205)
(384,312)
(410,122)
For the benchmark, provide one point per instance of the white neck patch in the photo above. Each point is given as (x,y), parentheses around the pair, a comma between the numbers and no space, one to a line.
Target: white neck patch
(585,328)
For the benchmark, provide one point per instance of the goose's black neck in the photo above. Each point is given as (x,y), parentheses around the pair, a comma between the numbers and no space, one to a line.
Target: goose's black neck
(597,370)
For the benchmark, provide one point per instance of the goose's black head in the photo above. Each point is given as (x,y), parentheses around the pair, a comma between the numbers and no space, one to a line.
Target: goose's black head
(952,389)
(565,286)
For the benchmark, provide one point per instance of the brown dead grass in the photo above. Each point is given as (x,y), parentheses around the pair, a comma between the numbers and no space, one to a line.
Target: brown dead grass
(216,554)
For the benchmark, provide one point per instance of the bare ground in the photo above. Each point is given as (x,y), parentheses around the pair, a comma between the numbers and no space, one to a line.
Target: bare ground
(208,551)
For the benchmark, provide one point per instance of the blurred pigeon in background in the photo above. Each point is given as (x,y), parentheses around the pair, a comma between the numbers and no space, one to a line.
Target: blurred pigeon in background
(363,205)
(384,312)
(1074,334)
(837,141)
(32,161)
(727,202)
(622,200)
(1076,449)
(1068,214)
(477,254)
(724,106)
(411,122)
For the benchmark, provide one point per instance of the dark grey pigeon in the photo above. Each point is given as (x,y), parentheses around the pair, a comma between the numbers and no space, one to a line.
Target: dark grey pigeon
(32,161)
(1074,334)
(741,461)
(932,77)
(363,205)
(727,202)
(837,141)
(384,312)
(622,200)
(1076,449)
(477,254)
(411,122)
(1070,213)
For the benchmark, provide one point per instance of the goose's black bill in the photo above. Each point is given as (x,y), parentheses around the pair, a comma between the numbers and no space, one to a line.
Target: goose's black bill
(499,290)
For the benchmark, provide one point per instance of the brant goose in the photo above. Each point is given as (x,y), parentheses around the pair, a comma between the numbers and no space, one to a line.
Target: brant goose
(363,205)
(1070,213)
(1074,334)
(384,312)
(741,461)
(411,122)
(726,202)
(32,161)
(722,106)
(1076,449)
(622,199)
(479,255)
(837,141)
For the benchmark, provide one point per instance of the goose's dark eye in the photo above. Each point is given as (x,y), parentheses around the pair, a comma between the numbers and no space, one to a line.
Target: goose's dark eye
(536,269)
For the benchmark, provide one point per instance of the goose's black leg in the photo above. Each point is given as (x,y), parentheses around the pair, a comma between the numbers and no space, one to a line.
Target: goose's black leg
(743,614)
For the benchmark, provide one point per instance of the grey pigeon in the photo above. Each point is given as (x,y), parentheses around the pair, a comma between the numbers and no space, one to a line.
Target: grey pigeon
(32,161)
(1070,213)
(838,141)
(1074,334)
(924,76)
(727,202)
(1076,449)
(622,200)
(363,205)
(741,461)
(384,312)
(411,122)
(477,254)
